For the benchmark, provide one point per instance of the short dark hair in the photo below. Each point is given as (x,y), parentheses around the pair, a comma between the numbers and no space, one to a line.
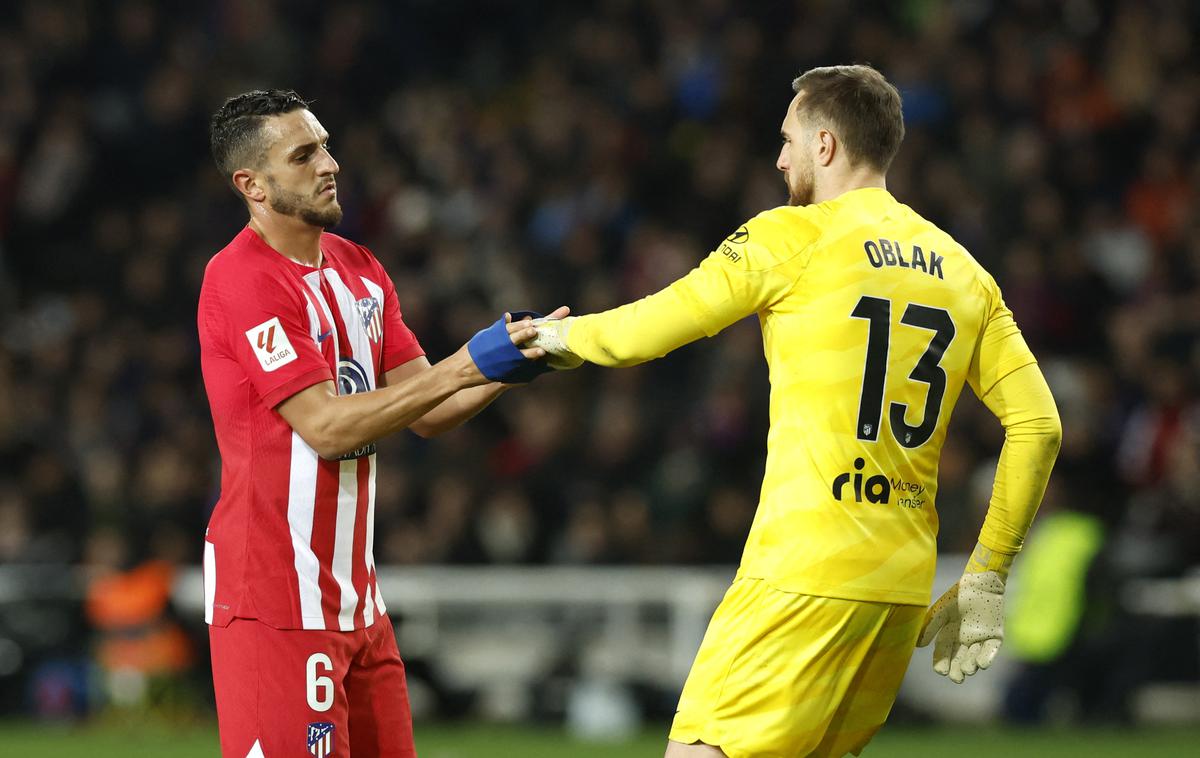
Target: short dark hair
(236,128)
(862,107)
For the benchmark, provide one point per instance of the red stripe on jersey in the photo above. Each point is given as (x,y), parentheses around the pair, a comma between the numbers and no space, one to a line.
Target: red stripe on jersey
(324,536)
(372,588)
(359,572)
(324,329)
(345,344)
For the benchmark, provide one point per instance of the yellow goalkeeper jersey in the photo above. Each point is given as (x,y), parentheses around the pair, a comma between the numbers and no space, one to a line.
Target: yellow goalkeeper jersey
(872,320)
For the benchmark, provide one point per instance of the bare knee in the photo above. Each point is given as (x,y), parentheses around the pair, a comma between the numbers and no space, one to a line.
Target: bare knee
(695,750)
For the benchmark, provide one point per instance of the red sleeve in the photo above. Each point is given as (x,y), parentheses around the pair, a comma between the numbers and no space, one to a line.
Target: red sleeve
(263,324)
(399,343)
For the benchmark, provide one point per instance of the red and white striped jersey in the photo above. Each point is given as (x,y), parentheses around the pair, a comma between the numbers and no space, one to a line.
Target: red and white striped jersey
(290,540)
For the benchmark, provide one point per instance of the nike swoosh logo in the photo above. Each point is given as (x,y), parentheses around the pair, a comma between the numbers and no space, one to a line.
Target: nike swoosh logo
(324,335)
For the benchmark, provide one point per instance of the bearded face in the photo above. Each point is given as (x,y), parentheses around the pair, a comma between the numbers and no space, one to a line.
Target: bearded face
(800,177)
(297,171)
(316,208)
(796,159)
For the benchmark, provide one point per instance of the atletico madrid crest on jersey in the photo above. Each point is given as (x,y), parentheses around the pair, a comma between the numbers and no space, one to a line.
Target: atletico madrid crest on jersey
(372,320)
(320,739)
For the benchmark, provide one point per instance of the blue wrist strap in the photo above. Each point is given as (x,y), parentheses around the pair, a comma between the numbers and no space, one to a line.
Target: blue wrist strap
(499,359)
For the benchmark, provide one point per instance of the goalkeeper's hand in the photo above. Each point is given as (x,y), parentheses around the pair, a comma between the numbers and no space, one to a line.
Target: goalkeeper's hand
(552,337)
(966,624)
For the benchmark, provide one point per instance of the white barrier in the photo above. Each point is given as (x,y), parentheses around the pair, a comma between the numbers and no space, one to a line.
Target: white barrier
(656,614)
(503,628)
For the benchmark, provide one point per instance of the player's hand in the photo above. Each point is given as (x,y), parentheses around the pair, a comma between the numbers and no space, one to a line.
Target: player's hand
(520,331)
(524,329)
(966,625)
(552,338)
(499,353)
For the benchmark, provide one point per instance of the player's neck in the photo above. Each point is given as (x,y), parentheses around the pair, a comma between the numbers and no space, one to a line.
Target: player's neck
(291,238)
(848,181)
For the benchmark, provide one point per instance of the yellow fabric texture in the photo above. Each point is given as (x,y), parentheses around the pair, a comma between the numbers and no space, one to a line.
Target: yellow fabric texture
(868,313)
(984,559)
(1032,432)
(785,674)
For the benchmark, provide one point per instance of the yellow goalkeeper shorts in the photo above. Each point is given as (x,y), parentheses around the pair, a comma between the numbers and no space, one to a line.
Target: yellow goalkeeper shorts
(784,674)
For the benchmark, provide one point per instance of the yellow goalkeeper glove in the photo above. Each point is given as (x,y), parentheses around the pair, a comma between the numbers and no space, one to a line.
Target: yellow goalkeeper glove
(552,337)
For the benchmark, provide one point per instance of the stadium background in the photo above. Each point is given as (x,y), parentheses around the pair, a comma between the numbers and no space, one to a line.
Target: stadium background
(514,154)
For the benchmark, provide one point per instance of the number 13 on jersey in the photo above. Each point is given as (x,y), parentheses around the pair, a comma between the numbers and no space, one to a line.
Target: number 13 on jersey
(877,312)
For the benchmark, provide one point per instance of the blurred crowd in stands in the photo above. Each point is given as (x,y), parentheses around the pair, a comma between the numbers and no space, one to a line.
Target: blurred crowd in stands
(516,155)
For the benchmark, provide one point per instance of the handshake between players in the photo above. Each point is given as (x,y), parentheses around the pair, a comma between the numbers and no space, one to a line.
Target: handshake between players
(522,345)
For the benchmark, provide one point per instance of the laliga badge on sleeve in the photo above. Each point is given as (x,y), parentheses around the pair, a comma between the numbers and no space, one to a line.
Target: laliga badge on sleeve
(270,343)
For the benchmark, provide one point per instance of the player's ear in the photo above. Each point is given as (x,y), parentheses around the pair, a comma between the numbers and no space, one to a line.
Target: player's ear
(827,147)
(249,184)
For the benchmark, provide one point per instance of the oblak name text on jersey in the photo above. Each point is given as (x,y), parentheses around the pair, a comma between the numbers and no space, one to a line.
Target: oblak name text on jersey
(889,253)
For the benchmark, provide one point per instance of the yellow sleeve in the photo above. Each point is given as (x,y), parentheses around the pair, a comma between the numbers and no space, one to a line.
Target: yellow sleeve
(750,270)
(1001,349)
(1022,401)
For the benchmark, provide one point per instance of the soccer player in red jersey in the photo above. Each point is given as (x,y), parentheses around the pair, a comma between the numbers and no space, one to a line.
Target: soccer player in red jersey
(307,362)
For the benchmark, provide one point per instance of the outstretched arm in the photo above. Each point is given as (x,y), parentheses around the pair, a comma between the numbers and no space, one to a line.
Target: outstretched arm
(455,410)
(462,405)
(638,332)
(334,424)
(746,274)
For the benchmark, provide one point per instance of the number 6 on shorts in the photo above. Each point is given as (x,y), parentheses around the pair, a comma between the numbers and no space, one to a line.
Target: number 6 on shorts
(320,688)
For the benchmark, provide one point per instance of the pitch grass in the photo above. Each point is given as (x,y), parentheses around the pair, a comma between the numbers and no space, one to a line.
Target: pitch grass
(489,741)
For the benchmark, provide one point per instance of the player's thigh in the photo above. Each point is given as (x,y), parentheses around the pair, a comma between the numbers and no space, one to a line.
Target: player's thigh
(280,692)
(377,692)
(872,692)
(773,669)
(695,750)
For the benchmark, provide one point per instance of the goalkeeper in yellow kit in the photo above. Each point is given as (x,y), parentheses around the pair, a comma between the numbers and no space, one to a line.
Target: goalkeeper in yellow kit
(872,320)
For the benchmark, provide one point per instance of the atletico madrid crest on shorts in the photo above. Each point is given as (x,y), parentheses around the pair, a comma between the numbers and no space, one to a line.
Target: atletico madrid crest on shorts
(368,308)
(320,739)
